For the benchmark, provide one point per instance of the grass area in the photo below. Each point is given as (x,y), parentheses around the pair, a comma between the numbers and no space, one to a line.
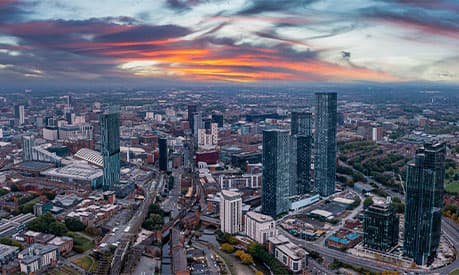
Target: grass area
(80,243)
(87,263)
(455,272)
(452,188)
(63,270)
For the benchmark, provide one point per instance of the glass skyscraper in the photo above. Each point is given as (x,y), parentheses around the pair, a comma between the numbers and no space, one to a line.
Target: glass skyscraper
(380,227)
(423,199)
(192,109)
(300,152)
(301,123)
(325,144)
(163,154)
(110,146)
(275,187)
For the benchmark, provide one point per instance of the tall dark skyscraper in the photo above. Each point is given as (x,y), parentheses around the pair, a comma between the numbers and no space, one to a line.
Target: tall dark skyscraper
(110,146)
(192,109)
(275,187)
(218,118)
(325,144)
(300,164)
(300,152)
(423,199)
(301,123)
(380,227)
(163,154)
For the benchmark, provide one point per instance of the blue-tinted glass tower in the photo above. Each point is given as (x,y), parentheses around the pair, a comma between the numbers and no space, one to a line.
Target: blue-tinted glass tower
(325,144)
(110,146)
(300,152)
(163,154)
(301,123)
(275,187)
(424,201)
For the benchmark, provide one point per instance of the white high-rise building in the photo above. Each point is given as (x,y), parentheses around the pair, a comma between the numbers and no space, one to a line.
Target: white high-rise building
(259,227)
(28,142)
(230,212)
(19,114)
(208,137)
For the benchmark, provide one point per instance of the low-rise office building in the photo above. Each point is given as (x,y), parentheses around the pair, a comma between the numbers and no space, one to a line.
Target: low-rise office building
(38,257)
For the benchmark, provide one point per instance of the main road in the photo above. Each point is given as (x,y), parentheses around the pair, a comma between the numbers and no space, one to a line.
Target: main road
(130,232)
(450,231)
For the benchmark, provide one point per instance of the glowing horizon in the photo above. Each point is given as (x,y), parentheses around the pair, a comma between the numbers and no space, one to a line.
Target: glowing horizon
(240,41)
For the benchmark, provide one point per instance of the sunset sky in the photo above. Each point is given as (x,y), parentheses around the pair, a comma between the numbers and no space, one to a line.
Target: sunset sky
(234,41)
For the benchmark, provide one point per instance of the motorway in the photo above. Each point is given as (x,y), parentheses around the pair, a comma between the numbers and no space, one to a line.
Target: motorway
(449,229)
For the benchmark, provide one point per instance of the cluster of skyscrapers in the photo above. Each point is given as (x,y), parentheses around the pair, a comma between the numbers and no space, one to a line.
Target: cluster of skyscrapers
(423,199)
(287,156)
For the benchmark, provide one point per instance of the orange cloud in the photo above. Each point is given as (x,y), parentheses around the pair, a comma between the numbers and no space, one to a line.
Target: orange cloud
(268,64)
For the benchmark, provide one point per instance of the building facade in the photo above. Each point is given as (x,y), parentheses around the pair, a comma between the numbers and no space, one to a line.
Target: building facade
(230,212)
(275,187)
(28,142)
(301,123)
(19,114)
(192,109)
(110,147)
(380,227)
(37,257)
(325,144)
(208,137)
(423,199)
(291,255)
(259,227)
(300,164)
(163,154)
(218,118)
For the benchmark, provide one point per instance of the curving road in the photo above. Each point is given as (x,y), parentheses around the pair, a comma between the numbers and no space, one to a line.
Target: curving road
(449,229)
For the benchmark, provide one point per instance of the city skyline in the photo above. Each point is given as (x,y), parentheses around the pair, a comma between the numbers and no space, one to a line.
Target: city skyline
(243,41)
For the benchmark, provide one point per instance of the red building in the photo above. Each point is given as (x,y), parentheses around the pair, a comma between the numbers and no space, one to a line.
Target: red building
(209,157)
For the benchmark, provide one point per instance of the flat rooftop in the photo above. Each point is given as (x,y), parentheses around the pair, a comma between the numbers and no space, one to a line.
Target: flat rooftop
(33,165)
(75,171)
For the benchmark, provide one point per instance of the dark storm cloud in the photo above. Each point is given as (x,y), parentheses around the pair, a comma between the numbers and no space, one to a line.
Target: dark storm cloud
(418,19)
(260,6)
(10,11)
(146,33)
(180,5)
(428,4)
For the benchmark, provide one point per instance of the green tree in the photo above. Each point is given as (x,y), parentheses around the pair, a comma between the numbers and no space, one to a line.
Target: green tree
(367,202)
(48,224)
(228,248)
(148,224)
(156,209)
(74,224)
(11,242)
(3,192)
(14,188)
(246,259)
(171,182)
(258,251)
(57,228)
(93,231)
(154,222)
(49,195)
